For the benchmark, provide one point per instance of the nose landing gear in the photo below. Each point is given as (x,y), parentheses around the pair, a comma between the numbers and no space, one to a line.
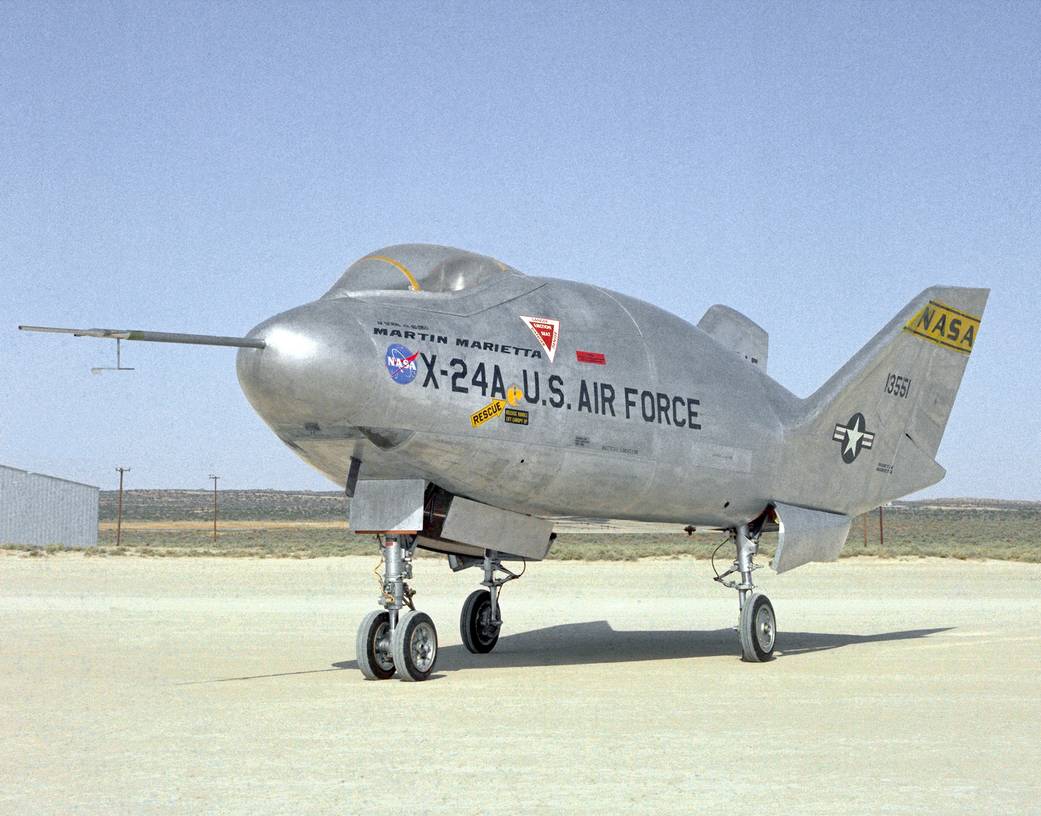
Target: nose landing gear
(389,641)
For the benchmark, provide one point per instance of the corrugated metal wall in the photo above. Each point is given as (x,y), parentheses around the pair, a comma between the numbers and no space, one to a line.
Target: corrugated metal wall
(42,510)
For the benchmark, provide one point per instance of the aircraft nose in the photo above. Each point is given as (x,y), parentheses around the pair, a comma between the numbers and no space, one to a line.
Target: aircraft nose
(306,376)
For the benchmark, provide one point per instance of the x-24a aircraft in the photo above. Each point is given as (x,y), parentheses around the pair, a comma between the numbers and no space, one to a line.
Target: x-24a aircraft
(463,406)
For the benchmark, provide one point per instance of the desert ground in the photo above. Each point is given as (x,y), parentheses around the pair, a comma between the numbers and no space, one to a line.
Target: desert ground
(215,685)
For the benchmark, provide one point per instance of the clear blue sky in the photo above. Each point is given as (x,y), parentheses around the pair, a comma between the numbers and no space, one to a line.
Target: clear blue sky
(199,167)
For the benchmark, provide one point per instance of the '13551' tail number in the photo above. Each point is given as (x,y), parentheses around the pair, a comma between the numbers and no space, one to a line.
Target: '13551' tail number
(898,386)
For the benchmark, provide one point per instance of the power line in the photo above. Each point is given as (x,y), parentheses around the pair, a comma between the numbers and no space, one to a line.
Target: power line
(119,506)
(215,478)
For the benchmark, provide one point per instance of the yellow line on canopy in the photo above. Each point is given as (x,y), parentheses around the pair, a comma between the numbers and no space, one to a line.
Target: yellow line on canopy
(412,282)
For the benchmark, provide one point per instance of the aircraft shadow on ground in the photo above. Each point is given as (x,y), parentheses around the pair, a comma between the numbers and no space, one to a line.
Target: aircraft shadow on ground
(572,644)
(596,642)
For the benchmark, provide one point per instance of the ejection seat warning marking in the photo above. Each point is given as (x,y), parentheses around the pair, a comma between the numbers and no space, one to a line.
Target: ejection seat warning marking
(489,411)
(546,330)
(515,416)
(944,326)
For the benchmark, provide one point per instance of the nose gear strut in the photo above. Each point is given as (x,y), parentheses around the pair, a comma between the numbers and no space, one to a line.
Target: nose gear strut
(389,641)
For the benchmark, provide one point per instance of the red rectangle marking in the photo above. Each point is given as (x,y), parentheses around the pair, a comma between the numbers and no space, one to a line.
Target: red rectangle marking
(594,357)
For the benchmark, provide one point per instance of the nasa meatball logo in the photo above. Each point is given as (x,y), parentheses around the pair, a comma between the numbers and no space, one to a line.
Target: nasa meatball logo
(401,364)
(854,437)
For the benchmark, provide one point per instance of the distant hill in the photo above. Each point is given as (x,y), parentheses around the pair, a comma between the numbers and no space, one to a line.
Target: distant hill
(997,505)
(331,505)
(233,505)
(307,524)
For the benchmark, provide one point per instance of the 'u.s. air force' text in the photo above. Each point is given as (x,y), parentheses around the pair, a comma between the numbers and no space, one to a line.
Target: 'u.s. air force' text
(600,398)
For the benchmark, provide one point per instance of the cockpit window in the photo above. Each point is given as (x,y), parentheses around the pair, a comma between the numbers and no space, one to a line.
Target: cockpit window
(419,268)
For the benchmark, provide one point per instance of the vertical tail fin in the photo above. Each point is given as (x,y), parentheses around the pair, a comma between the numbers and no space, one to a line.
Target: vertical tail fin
(871,432)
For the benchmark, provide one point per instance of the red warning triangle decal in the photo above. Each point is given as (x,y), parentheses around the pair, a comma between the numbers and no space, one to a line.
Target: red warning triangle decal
(547,331)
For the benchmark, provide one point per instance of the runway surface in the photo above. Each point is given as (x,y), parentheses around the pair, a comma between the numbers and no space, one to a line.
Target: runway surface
(135,685)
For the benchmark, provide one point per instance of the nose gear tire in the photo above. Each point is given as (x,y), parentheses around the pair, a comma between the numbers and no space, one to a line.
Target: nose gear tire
(373,646)
(415,646)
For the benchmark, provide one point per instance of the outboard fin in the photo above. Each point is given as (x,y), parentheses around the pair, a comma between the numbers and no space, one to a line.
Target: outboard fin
(732,329)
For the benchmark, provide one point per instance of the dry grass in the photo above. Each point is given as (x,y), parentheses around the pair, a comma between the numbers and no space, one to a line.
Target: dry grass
(134,526)
(948,528)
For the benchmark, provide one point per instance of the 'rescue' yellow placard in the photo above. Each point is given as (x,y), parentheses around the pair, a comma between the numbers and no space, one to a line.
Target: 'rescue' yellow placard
(945,326)
(489,411)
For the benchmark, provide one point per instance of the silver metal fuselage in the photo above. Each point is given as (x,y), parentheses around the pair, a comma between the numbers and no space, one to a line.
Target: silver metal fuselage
(464,405)
(672,426)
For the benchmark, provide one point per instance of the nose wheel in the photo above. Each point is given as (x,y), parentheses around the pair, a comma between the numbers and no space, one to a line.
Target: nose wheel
(415,646)
(375,657)
(392,640)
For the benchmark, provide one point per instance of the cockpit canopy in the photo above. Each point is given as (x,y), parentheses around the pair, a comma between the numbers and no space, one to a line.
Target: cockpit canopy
(420,268)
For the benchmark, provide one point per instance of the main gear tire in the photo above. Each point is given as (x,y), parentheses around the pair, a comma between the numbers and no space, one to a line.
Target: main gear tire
(758,629)
(475,623)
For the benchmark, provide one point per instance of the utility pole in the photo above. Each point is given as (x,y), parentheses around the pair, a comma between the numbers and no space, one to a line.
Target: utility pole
(119,506)
(215,478)
(881,527)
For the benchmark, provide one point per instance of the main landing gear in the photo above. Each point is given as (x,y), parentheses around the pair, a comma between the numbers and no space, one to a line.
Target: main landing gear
(480,621)
(757,625)
(390,640)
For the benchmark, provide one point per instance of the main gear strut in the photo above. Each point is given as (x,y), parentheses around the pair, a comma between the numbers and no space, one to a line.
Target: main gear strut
(757,624)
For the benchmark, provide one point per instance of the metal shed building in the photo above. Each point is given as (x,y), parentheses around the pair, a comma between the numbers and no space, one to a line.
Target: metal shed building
(41,510)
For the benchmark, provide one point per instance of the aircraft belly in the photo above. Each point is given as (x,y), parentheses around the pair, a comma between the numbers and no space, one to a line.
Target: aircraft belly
(549,480)
(537,478)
